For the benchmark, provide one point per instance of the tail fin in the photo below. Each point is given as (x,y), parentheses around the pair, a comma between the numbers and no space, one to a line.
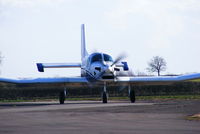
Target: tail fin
(84,52)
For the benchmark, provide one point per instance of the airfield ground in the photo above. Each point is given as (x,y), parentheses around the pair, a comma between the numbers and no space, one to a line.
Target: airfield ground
(89,117)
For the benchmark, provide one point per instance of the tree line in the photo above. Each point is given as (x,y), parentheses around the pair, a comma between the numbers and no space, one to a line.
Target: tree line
(31,92)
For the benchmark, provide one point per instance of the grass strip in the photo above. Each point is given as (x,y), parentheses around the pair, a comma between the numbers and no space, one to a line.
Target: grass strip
(164,97)
(195,117)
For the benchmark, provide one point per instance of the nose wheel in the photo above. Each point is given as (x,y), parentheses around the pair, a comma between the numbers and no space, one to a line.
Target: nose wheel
(104,97)
(104,94)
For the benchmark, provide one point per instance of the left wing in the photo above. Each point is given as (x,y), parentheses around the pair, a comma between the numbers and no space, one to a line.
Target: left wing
(158,80)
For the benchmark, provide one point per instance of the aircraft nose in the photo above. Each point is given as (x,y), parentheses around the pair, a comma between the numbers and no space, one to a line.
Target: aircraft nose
(108,69)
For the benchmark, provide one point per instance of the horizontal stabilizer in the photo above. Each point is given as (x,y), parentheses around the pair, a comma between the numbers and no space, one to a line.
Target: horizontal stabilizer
(41,66)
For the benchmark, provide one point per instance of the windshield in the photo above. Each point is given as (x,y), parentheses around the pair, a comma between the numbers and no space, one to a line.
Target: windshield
(107,57)
(97,57)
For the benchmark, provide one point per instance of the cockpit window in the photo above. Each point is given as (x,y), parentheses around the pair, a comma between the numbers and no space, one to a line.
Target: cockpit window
(97,57)
(107,57)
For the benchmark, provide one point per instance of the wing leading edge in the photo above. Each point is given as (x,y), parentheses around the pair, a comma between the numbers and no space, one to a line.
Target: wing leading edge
(68,81)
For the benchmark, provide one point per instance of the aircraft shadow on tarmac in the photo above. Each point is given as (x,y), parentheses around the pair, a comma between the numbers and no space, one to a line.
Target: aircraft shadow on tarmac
(24,104)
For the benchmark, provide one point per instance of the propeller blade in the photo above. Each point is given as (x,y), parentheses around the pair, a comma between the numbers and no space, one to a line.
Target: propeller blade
(119,58)
(124,86)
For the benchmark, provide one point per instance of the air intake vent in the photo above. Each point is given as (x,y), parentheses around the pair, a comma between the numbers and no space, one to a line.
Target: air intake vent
(108,77)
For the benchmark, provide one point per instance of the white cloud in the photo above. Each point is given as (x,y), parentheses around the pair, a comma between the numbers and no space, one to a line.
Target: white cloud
(9,7)
(28,3)
(167,17)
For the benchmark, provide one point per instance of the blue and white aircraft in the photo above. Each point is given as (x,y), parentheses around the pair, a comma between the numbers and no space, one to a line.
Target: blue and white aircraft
(99,69)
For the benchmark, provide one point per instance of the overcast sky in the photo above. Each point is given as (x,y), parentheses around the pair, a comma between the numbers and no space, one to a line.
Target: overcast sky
(34,31)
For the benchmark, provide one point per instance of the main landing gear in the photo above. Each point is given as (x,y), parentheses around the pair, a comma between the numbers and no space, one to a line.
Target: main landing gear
(62,96)
(105,94)
(131,94)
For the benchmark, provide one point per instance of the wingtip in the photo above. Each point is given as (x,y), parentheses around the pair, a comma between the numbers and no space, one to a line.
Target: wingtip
(40,67)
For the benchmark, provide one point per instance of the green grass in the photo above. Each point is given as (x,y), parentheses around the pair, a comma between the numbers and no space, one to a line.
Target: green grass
(170,97)
(193,117)
(196,80)
(164,97)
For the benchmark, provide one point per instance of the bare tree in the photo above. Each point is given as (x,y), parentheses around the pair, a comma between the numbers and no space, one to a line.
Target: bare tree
(157,64)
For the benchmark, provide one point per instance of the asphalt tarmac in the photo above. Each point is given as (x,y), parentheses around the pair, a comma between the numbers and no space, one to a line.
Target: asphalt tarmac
(93,117)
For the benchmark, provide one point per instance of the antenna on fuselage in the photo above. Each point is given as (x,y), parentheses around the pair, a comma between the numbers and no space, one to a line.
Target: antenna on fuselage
(84,52)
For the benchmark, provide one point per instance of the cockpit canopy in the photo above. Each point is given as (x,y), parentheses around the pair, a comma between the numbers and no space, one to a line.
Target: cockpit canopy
(100,57)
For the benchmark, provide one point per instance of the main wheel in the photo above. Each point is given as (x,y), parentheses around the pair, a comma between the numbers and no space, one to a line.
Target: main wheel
(104,97)
(132,96)
(62,97)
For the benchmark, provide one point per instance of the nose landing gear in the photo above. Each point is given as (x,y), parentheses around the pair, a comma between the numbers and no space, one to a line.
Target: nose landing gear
(104,94)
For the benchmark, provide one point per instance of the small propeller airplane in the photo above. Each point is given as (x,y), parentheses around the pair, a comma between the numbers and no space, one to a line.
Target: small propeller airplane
(99,69)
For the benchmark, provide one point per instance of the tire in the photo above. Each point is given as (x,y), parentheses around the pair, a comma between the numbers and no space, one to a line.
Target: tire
(62,97)
(132,96)
(104,97)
